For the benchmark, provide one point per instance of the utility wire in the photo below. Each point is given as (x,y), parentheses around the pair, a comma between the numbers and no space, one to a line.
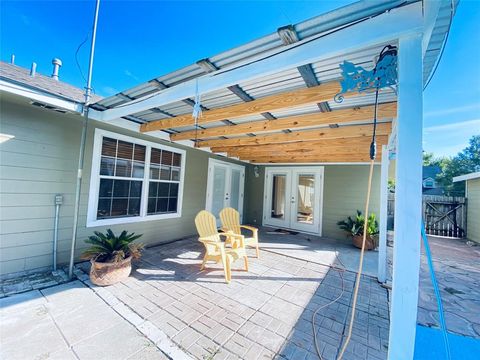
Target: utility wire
(76,57)
(78,63)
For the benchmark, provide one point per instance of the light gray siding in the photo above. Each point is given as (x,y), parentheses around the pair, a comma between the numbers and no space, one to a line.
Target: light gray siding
(473,210)
(344,192)
(41,161)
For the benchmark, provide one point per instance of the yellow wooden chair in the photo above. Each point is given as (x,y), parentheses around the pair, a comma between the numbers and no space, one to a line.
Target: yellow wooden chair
(231,223)
(215,249)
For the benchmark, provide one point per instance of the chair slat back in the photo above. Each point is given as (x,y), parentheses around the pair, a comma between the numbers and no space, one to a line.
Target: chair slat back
(206,225)
(231,220)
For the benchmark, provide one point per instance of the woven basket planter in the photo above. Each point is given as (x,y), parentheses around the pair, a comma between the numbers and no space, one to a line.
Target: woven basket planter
(103,274)
(369,242)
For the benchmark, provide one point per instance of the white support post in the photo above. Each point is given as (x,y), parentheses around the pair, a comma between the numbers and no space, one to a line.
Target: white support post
(408,200)
(382,243)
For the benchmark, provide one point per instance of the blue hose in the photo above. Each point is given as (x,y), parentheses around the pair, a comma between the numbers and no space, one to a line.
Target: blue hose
(437,292)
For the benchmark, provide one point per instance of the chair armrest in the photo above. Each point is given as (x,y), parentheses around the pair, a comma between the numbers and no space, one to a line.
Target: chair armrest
(251,228)
(209,241)
(238,240)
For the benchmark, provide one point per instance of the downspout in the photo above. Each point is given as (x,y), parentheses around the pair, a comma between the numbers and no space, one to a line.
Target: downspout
(81,156)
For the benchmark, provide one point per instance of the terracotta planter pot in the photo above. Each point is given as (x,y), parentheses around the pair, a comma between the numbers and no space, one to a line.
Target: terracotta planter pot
(103,274)
(369,242)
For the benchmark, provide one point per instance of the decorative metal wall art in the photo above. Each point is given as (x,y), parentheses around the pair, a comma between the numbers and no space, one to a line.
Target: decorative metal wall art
(356,78)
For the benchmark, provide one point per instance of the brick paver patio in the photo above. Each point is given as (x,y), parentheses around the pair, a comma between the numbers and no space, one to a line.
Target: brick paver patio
(263,314)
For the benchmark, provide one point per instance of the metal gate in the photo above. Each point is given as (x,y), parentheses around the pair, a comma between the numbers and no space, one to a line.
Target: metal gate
(445,215)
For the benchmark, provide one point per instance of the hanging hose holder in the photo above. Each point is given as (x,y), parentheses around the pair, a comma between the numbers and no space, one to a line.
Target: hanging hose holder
(358,79)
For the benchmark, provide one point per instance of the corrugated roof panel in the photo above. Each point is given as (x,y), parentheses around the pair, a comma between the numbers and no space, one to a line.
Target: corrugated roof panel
(140,91)
(438,37)
(270,79)
(251,49)
(175,106)
(113,100)
(183,74)
(222,101)
(152,115)
(365,99)
(344,15)
(215,94)
(272,89)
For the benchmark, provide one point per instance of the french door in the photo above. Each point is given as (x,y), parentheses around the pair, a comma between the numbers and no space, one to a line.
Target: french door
(293,198)
(225,187)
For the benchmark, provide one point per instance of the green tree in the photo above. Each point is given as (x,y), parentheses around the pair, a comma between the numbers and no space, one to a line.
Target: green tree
(429,159)
(466,161)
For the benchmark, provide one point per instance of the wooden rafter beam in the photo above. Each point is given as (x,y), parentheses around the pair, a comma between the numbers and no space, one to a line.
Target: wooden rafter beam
(266,104)
(328,144)
(353,150)
(336,158)
(353,131)
(292,122)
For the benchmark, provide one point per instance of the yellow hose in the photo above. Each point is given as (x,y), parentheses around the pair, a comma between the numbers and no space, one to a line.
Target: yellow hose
(360,265)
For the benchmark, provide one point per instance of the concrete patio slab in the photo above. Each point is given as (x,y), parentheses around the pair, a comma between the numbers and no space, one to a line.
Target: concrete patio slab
(68,321)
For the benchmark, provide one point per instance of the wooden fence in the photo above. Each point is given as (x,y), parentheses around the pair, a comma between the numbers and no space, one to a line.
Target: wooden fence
(443,215)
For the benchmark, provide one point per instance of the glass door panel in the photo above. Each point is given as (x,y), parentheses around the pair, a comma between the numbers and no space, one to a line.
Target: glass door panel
(235,189)
(305,199)
(218,191)
(277,199)
(279,196)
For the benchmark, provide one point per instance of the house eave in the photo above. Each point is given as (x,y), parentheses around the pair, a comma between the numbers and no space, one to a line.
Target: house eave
(41,96)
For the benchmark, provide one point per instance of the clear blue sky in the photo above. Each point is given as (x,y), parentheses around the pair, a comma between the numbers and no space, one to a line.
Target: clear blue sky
(138,41)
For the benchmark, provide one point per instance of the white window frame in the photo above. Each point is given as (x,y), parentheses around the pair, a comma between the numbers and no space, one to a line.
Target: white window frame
(95,181)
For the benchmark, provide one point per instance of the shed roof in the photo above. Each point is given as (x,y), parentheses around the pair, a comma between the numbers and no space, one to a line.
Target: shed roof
(273,43)
(471,176)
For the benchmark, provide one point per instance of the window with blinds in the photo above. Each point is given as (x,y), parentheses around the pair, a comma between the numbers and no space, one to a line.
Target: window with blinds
(122,168)
(164,181)
(135,180)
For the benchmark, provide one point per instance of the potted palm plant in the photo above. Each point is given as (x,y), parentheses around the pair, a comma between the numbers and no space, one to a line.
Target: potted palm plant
(355,227)
(111,256)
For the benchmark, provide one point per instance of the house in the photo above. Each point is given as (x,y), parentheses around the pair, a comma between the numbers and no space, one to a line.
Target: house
(429,184)
(472,193)
(275,141)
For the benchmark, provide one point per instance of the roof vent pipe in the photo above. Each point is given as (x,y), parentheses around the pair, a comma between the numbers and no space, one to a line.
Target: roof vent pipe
(57,63)
(12,59)
(33,69)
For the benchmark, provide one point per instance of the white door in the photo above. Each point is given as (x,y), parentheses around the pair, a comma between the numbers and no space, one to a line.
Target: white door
(225,187)
(293,198)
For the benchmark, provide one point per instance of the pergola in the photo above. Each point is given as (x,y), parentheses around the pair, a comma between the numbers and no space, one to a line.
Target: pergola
(272,101)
